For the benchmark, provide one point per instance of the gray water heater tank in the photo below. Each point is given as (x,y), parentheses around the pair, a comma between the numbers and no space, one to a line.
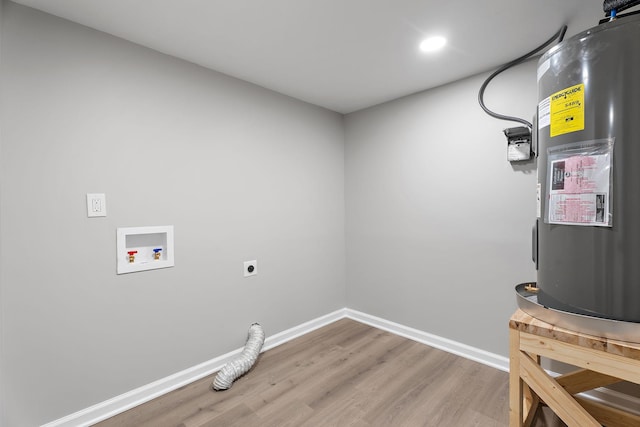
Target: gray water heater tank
(588,136)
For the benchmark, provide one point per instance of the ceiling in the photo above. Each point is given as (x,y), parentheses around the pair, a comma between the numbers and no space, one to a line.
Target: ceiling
(343,55)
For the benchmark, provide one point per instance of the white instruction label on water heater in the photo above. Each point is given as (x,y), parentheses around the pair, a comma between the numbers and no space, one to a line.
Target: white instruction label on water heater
(544,113)
(579,190)
(543,68)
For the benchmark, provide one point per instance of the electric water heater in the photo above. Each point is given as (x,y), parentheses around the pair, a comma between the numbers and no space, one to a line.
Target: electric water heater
(587,238)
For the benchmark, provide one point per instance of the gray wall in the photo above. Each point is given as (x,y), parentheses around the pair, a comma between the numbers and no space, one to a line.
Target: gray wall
(241,172)
(438,222)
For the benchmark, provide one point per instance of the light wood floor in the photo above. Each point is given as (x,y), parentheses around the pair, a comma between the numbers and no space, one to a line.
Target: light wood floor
(345,374)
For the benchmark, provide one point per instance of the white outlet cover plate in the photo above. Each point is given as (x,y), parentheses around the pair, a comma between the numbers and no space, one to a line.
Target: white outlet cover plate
(247,264)
(96,205)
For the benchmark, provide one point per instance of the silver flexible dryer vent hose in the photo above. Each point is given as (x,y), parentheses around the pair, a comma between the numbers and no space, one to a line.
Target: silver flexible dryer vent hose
(243,362)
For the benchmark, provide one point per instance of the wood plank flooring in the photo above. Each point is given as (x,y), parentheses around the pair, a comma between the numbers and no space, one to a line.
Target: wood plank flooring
(344,374)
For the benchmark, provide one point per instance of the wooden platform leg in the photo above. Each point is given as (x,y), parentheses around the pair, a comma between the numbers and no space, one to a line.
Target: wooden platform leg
(531,404)
(515,382)
(531,401)
(561,402)
(600,361)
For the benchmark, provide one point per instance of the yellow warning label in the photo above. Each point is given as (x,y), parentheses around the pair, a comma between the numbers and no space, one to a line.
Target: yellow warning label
(567,110)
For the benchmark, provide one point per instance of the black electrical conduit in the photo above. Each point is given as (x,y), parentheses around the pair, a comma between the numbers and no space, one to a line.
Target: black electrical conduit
(559,36)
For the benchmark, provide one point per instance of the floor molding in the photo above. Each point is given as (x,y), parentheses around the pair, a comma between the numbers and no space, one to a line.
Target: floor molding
(305,328)
(138,396)
(133,398)
(450,346)
(601,395)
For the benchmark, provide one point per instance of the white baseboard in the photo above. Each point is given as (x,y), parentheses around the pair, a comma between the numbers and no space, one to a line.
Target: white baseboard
(450,346)
(138,396)
(133,398)
(119,404)
(601,395)
(305,328)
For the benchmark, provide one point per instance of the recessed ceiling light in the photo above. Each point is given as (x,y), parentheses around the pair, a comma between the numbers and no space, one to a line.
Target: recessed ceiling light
(432,44)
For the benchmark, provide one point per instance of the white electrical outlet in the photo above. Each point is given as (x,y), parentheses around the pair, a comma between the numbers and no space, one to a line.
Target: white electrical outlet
(96,205)
(250,268)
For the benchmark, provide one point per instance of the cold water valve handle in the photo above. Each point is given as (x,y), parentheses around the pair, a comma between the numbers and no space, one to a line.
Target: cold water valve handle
(132,256)
(612,7)
(157,252)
